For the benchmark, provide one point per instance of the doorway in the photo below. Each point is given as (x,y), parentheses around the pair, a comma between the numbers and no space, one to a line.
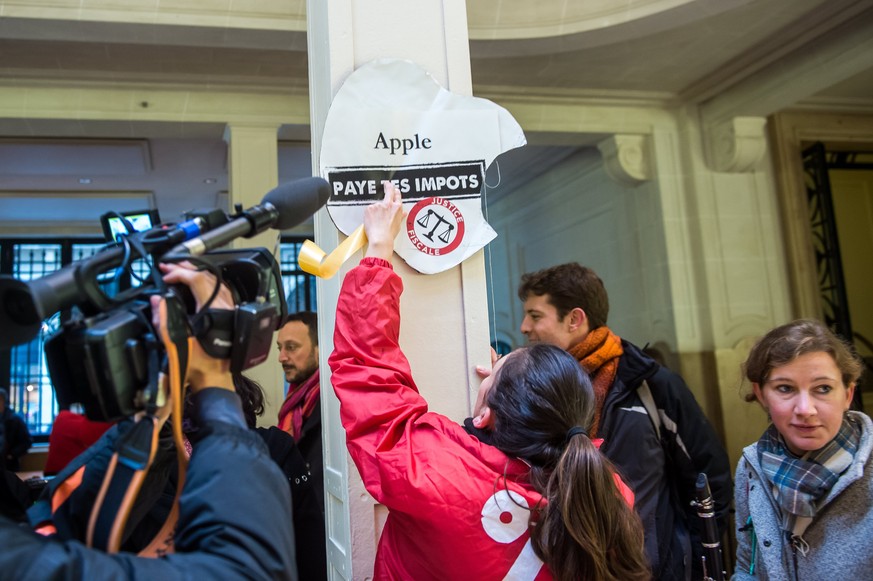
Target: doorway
(839,187)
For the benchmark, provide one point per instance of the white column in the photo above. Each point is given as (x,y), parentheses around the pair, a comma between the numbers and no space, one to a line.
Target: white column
(253,170)
(443,344)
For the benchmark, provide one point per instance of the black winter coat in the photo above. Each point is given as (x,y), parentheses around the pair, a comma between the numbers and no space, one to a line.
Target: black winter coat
(15,437)
(311,447)
(663,474)
(227,526)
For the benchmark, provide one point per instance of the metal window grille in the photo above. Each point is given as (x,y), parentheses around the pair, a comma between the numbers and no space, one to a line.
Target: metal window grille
(30,390)
(26,374)
(23,369)
(299,286)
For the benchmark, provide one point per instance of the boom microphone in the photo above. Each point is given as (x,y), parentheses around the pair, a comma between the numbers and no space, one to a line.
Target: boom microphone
(283,207)
(25,304)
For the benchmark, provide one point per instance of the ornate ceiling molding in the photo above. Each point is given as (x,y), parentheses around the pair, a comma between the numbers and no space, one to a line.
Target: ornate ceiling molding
(626,158)
(519,27)
(736,145)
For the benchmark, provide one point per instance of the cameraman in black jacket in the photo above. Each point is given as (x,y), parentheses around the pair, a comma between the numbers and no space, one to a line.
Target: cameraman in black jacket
(228,526)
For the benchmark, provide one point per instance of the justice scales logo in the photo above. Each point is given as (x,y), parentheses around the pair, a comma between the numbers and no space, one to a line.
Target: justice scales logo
(435,226)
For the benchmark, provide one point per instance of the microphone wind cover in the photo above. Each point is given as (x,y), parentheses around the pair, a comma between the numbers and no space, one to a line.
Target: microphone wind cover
(298,200)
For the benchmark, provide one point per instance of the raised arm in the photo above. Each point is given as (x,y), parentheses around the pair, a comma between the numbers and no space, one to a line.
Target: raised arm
(379,402)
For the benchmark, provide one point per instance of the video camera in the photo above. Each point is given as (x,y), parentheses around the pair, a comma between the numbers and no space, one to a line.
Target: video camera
(106,355)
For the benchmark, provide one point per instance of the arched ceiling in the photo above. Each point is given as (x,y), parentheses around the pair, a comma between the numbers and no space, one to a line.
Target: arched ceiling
(665,51)
(659,47)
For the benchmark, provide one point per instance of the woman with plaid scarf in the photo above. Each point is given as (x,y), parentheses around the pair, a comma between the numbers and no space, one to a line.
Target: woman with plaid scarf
(804,491)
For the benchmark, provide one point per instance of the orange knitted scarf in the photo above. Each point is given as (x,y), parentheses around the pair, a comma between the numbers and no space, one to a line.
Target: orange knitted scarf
(598,355)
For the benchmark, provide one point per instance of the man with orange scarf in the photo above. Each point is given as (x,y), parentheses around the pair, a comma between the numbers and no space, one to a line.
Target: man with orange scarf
(567,306)
(300,414)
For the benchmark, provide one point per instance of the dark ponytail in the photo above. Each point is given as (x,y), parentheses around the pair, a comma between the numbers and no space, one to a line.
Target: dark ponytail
(587,530)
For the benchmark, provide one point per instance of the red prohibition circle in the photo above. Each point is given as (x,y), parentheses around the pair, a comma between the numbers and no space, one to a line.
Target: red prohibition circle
(441,203)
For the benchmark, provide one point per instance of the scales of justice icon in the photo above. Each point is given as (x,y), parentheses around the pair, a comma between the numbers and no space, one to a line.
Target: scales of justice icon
(440,223)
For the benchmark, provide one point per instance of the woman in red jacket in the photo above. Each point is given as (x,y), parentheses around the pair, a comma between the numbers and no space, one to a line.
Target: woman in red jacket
(539,503)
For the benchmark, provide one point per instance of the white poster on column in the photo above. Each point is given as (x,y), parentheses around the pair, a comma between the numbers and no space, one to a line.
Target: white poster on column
(392,121)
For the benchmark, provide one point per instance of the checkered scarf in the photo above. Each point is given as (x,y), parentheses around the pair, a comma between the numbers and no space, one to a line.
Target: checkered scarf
(799,483)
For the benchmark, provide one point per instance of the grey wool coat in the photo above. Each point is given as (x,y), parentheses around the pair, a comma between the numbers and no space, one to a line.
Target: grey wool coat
(840,537)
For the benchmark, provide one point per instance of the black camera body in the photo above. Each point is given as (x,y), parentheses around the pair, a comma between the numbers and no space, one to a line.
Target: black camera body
(103,361)
(255,281)
(107,355)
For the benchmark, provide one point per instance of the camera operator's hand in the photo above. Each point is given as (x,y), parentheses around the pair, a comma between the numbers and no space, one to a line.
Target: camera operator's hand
(200,282)
(203,371)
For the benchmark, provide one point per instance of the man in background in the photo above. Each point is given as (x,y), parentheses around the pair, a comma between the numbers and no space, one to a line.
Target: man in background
(15,434)
(659,457)
(300,414)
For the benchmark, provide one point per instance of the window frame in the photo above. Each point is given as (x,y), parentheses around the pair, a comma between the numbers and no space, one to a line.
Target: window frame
(289,268)
(7,267)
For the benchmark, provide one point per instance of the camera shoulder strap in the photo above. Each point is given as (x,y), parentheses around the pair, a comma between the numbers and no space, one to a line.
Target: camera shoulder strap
(136,451)
(177,344)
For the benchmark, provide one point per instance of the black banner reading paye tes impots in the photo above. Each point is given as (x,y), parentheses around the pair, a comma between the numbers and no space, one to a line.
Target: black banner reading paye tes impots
(363,185)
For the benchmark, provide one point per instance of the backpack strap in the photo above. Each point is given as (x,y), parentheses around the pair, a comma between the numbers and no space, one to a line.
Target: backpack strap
(178,344)
(649,403)
(134,453)
(124,477)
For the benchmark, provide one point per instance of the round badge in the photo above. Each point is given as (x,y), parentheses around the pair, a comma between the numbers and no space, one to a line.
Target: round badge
(435,226)
(505,516)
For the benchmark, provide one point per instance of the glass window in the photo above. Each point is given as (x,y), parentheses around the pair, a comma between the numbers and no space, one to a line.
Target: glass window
(23,368)
(30,389)
(299,286)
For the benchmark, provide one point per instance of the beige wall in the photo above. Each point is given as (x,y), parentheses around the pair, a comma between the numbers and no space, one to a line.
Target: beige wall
(245,14)
(692,258)
(576,212)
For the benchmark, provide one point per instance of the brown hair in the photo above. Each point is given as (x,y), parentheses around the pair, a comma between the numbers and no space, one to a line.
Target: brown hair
(569,286)
(308,318)
(788,342)
(586,530)
(251,394)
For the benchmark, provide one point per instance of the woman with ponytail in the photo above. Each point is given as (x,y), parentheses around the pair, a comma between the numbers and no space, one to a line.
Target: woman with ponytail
(537,501)
(538,403)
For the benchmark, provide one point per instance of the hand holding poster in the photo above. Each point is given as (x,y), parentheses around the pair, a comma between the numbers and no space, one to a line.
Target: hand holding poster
(392,121)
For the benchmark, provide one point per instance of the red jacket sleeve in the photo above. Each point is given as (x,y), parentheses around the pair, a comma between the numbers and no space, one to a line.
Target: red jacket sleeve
(379,401)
